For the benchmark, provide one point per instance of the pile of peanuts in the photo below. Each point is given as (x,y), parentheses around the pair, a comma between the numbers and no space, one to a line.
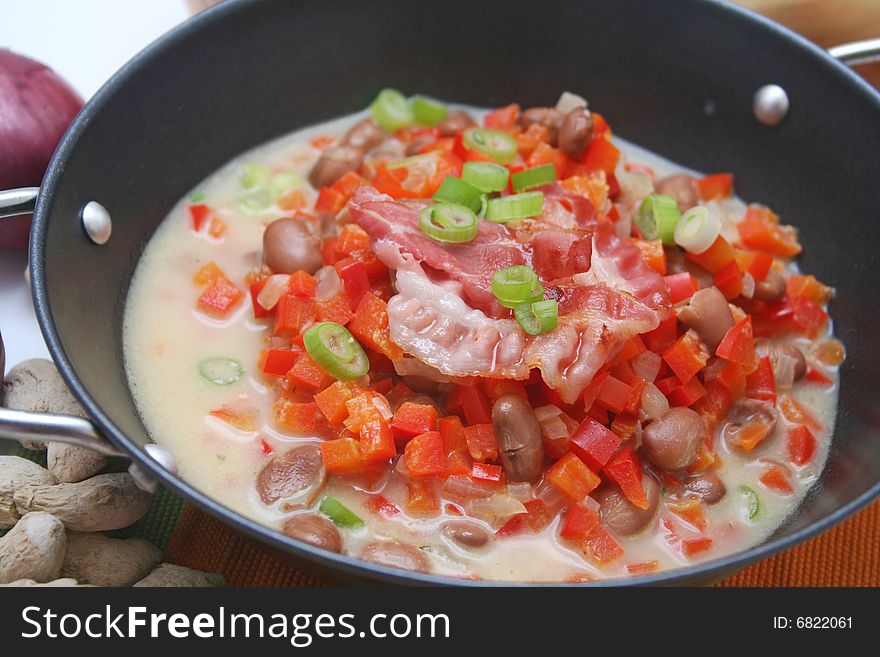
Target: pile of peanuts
(55,515)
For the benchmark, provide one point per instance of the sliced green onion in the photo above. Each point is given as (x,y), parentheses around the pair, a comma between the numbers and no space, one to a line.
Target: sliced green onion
(515,206)
(339,513)
(449,222)
(427,111)
(197,197)
(537,317)
(658,217)
(534,177)
(283,181)
(337,352)
(498,145)
(697,229)
(390,110)
(514,285)
(484,205)
(256,201)
(220,370)
(487,176)
(753,500)
(455,190)
(254,175)
(414,161)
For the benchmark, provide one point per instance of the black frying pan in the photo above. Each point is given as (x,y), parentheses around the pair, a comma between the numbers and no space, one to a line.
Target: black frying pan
(677,77)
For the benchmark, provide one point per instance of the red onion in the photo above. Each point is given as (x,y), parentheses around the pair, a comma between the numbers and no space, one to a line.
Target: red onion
(36,106)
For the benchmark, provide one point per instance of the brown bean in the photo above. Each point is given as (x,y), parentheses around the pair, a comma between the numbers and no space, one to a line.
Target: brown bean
(576,132)
(800,364)
(519,437)
(418,143)
(291,244)
(455,122)
(467,534)
(334,163)
(296,476)
(365,135)
(314,530)
(672,441)
(395,555)
(549,117)
(680,186)
(747,412)
(772,288)
(708,314)
(707,486)
(622,516)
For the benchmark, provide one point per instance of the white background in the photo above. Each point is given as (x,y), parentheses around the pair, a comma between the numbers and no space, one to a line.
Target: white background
(84,41)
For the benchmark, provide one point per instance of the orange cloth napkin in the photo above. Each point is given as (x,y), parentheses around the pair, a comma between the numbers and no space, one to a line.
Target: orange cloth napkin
(847,555)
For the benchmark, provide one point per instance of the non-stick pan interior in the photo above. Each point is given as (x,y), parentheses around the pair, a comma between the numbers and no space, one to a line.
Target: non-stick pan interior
(677,78)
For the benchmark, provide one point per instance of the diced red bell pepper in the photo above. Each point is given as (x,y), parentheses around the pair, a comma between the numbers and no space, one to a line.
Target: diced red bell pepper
(474,405)
(255,289)
(572,476)
(496,387)
(380,505)
(307,375)
(579,522)
(302,284)
(355,280)
(643,568)
(220,298)
(795,413)
(527,140)
(376,442)
(458,463)
(482,444)
(411,419)
(716,257)
(687,356)
(814,375)
(502,118)
(663,336)
(808,316)
(487,472)
(776,480)
(692,546)
(681,286)
(652,253)
(302,418)
(425,456)
(199,213)
(761,384)
(690,510)
(348,183)
(738,344)
(601,154)
(732,377)
(534,520)
(335,309)
(453,434)
(328,251)
(625,426)
(632,348)
(208,273)
(544,153)
(715,186)
(756,263)
(807,286)
(593,443)
(351,238)
(277,362)
(761,230)
(686,394)
(332,399)
(330,201)
(729,281)
(601,547)
(714,404)
(614,394)
(625,470)
(801,445)
(370,326)
(422,499)
(342,455)
(293,314)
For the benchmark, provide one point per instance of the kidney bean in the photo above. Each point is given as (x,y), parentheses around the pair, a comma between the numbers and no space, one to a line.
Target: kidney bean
(671,442)
(519,437)
(709,315)
(365,135)
(467,534)
(291,244)
(622,516)
(296,476)
(680,186)
(707,486)
(314,530)
(455,122)
(576,132)
(334,163)
(395,555)
(549,117)
(772,288)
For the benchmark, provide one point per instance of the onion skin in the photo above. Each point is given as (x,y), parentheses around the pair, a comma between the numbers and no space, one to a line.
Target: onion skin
(36,106)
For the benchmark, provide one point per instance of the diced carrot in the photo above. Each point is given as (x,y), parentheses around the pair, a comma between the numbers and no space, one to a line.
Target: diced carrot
(807,286)
(370,326)
(328,251)
(830,352)
(351,238)
(302,418)
(220,298)
(729,281)
(240,418)
(776,480)
(342,455)
(482,444)
(216,228)
(307,375)
(331,401)
(527,140)
(750,435)
(399,393)
(794,412)
(295,199)
(732,377)
(716,257)
(346,185)
(453,434)
(572,476)
(330,201)
(376,441)
(208,273)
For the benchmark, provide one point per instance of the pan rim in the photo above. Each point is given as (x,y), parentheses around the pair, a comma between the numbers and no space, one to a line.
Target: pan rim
(704,571)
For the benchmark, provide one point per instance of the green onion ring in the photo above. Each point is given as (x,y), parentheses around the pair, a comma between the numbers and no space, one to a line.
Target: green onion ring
(455,190)
(537,317)
(534,177)
(449,222)
(658,217)
(515,206)
(336,351)
(220,370)
(498,145)
(486,176)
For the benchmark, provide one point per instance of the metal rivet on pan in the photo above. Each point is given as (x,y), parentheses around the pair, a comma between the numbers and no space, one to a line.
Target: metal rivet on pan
(770,104)
(161,456)
(96,222)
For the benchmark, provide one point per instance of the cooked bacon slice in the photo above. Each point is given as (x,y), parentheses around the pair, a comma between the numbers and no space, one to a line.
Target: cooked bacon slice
(432,323)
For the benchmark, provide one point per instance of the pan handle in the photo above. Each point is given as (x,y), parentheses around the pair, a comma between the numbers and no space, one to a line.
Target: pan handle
(26,425)
(857,52)
(14,202)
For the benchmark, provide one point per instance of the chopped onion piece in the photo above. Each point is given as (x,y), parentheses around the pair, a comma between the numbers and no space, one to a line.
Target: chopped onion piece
(697,229)
(497,509)
(748,286)
(415,367)
(552,497)
(783,369)
(329,283)
(383,406)
(273,290)
(647,365)
(654,403)
(569,101)
(546,412)
(554,428)
(520,490)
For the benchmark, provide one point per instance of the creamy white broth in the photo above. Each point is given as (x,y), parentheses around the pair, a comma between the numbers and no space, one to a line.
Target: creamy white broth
(165,337)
